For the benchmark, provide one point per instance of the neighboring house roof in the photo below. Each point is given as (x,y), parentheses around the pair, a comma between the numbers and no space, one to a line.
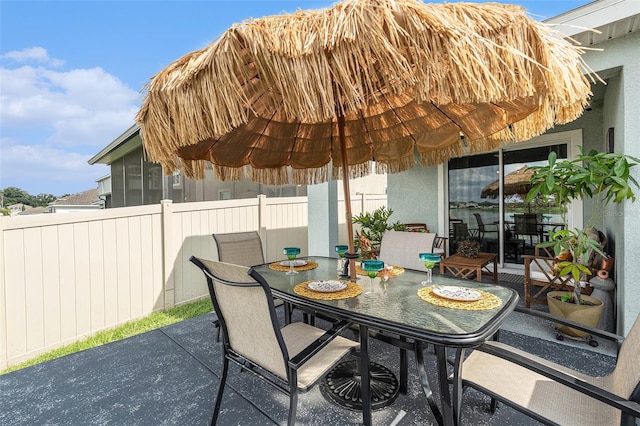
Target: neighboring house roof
(121,146)
(104,185)
(34,210)
(16,209)
(85,198)
(18,206)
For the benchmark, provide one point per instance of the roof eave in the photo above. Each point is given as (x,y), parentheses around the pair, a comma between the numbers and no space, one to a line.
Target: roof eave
(595,15)
(104,156)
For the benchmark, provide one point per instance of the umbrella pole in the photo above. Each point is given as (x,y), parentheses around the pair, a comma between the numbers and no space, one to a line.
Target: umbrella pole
(351,254)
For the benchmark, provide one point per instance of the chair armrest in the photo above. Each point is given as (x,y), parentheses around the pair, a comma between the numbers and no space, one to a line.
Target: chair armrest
(307,353)
(531,257)
(440,243)
(593,331)
(543,263)
(581,386)
(544,252)
(491,227)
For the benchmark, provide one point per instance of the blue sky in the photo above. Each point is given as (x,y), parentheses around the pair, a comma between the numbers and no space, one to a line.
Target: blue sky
(71,74)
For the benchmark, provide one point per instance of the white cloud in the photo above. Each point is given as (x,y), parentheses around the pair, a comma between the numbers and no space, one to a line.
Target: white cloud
(33,54)
(41,169)
(90,100)
(54,120)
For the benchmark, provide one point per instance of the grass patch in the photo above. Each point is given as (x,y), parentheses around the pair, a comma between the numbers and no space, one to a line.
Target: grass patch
(132,328)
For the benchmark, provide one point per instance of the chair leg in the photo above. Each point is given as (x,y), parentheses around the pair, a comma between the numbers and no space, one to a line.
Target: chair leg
(223,380)
(293,398)
(288,312)
(216,324)
(493,405)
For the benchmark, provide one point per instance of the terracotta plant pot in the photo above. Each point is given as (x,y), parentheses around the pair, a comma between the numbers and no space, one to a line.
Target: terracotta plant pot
(588,315)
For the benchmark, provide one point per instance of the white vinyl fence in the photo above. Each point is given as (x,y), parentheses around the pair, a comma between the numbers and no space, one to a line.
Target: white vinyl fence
(66,276)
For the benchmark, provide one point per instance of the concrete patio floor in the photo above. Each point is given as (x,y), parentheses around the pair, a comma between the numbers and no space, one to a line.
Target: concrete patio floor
(169,376)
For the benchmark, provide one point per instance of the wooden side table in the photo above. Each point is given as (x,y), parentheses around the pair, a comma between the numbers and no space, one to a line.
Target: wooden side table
(465,267)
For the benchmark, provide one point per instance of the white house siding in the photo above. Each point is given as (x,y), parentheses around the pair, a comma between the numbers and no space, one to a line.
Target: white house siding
(622,112)
(416,195)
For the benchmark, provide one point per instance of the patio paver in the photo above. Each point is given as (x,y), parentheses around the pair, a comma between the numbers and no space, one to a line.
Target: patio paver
(169,376)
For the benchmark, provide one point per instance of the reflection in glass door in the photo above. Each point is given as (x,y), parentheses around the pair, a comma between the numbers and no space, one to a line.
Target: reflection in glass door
(472,217)
(475,202)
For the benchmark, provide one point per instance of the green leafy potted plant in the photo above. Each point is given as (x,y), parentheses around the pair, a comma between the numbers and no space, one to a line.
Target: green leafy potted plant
(606,178)
(372,227)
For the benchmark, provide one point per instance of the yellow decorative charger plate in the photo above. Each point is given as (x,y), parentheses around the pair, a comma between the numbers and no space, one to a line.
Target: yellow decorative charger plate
(486,301)
(352,290)
(276,266)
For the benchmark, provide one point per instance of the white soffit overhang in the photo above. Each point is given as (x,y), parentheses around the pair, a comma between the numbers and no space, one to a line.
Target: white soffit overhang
(613,18)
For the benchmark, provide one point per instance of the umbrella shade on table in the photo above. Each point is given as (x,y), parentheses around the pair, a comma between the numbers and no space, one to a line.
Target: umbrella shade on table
(516,182)
(282,99)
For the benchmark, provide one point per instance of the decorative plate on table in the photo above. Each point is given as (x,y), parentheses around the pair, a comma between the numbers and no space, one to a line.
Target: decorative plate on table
(462,294)
(296,262)
(329,286)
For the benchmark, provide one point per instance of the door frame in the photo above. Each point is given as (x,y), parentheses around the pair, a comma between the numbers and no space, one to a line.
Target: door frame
(573,139)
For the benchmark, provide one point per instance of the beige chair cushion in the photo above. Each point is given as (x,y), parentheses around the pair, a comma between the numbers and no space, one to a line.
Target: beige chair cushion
(402,248)
(253,335)
(251,332)
(626,375)
(240,248)
(298,336)
(542,395)
(556,402)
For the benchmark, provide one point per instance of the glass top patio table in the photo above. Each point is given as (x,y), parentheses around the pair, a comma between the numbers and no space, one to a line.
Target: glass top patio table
(401,311)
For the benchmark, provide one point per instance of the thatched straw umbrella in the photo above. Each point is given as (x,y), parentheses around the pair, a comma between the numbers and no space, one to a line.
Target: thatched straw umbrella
(516,182)
(283,99)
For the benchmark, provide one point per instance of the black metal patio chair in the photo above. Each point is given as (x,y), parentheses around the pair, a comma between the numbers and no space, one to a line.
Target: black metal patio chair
(552,393)
(292,358)
(240,248)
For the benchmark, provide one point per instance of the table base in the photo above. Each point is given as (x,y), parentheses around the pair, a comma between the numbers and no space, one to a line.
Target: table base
(342,385)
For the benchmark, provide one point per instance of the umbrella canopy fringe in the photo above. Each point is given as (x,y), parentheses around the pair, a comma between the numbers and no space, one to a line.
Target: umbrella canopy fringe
(310,176)
(193,169)
(354,170)
(272,176)
(533,125)
(224,173)
(569,113)
(395,166)
(441,155)
(362,56)
(491,142)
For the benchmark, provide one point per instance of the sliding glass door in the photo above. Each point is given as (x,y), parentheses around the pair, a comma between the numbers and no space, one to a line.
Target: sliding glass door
(487,201)
(470,215)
